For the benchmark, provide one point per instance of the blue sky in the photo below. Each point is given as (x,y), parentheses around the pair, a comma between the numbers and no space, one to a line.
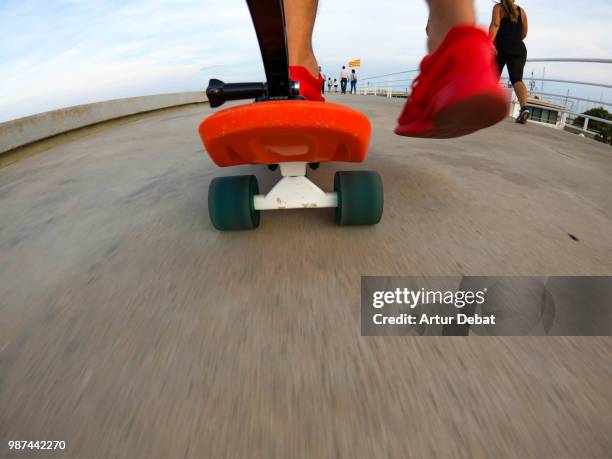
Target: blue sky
(60,53)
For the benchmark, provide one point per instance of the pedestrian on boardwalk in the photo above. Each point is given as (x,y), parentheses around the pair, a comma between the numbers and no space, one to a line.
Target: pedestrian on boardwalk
(353,82)
(343,80)
(322,81)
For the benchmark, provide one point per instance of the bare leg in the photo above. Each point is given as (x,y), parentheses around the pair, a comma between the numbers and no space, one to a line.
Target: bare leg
(444,15)
(521,93)
(299,19)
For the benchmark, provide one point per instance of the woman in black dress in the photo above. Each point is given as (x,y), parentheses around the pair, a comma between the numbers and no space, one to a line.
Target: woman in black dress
(508,30)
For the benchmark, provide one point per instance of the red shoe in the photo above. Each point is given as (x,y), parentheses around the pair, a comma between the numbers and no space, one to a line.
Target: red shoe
(457,91)
(310,87)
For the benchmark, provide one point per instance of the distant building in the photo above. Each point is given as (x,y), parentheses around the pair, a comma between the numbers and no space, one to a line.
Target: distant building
(543,112)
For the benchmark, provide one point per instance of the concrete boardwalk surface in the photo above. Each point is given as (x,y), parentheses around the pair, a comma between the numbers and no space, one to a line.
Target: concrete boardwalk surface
(129,327)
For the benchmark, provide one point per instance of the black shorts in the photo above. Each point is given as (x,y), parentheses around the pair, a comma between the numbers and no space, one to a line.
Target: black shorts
(515,62)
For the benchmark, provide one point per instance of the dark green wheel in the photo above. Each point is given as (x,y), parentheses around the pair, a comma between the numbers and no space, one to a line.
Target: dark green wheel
(230,202)
(360,197)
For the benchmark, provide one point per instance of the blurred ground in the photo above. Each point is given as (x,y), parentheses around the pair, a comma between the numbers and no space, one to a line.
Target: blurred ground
(129,327)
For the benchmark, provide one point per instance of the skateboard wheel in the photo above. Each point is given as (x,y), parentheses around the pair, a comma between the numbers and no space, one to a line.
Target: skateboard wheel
(230,202)
(360,197)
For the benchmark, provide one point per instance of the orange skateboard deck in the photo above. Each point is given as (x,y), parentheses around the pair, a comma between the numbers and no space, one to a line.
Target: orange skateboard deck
(282,131)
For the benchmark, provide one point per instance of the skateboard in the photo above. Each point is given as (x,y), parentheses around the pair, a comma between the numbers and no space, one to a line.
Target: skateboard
(283,131)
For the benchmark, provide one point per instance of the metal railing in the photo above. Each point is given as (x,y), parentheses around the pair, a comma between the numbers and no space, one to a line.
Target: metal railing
(587,118)
(583,83)
(572,59)
(564,97)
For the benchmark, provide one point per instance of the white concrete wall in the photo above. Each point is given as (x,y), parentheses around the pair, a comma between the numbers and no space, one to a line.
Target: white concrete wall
(29,129)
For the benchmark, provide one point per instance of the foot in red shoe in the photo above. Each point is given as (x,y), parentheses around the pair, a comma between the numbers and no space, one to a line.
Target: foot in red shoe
(310,87)
(457,91)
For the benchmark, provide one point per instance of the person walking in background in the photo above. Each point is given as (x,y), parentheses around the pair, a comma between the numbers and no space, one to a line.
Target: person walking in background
(343,80)
(353,82)
(335,84)
(322,81)
(508,30)
(329,84)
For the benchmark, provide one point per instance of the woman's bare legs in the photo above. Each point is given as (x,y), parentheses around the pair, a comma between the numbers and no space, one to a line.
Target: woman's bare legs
(299,19)
(444,15)
(521,93)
